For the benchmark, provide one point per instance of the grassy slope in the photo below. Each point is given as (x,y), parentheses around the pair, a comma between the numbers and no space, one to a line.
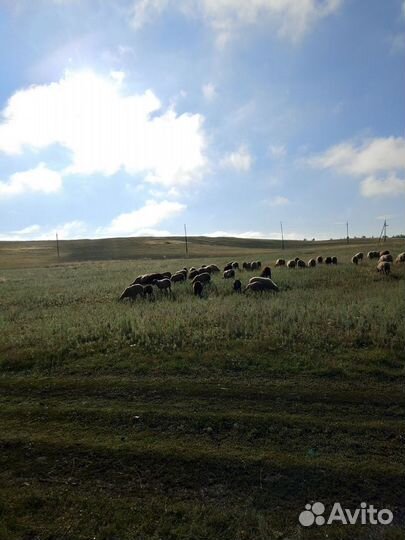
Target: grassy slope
(196,419)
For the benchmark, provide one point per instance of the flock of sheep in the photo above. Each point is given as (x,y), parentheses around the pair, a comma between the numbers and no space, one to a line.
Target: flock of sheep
(143,285)
(384,259)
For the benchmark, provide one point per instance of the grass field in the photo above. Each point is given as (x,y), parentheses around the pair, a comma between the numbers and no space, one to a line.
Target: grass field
(186,418)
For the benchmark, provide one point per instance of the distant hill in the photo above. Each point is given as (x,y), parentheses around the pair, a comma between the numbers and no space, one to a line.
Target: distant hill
(42,253)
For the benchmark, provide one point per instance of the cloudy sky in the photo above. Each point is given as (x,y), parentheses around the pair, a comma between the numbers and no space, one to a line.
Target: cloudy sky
(133,117)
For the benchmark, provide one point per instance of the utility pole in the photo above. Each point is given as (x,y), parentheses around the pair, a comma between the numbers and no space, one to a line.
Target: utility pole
(383,234)
(347,232)
(57,246)
(185,239)
(282,235)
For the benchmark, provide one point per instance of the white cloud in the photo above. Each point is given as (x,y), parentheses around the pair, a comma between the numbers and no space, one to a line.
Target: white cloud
(279,200)
(142,221)
(209,91)
(397,43)
(370,157)
(373,187)
(31,229)
(41,179)
(66,231)
(106,130)
(226,234)
(379,156)
(291,18)
(240,160)
(277,150)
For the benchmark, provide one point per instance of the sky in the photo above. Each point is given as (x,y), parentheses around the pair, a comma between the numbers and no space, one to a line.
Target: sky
(135,117)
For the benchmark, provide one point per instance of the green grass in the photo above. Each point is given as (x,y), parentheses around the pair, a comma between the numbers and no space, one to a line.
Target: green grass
(184,418)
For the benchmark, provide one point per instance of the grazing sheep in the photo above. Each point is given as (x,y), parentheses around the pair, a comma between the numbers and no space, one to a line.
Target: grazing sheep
(253,265)
(386,258)
(334,260)
(266,272)
(203,269)
(384,267)
(229,273)
(355,260)
(296,259)
(259,264)
(280,262)
(163,284)
(203,278)
(213,268)
(228,267)
(266,282)
(301,264)
(328,260)
(148,290)
(198,288)
(132,292)
(400,258)
(385,252)
(148,279)
(235,265)
(192,274)
(373,255)
(167,274)
(311,263)
(259,286)
(178,277)
(192,269)
(319,259)
(237,286)
(246,266)
(359,256)
(291,264)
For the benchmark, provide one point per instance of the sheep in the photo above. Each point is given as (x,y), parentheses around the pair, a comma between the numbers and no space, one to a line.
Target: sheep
(334,260)
(259,286)
(373,255)
(132,292)
(301,264)
(178,277)
(266,272)
(148,279)
(384,267)
(386,258)
(359,256)
(213,268)
(259,264)
(203,278)
(237,286)
(253,265)
(167,274)
(328,260)
(266,282)
(192,269)
(198,288)
(228,267)
(296,259)
(319,259)
(311,263)
(246,266)
(229,273)
(385,252)
(148,290)
(235,265)
(400,258)
(355,260)
(163,284)
(291,263)
(280,262)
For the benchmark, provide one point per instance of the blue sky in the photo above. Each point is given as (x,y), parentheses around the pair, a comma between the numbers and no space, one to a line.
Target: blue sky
(133,117)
